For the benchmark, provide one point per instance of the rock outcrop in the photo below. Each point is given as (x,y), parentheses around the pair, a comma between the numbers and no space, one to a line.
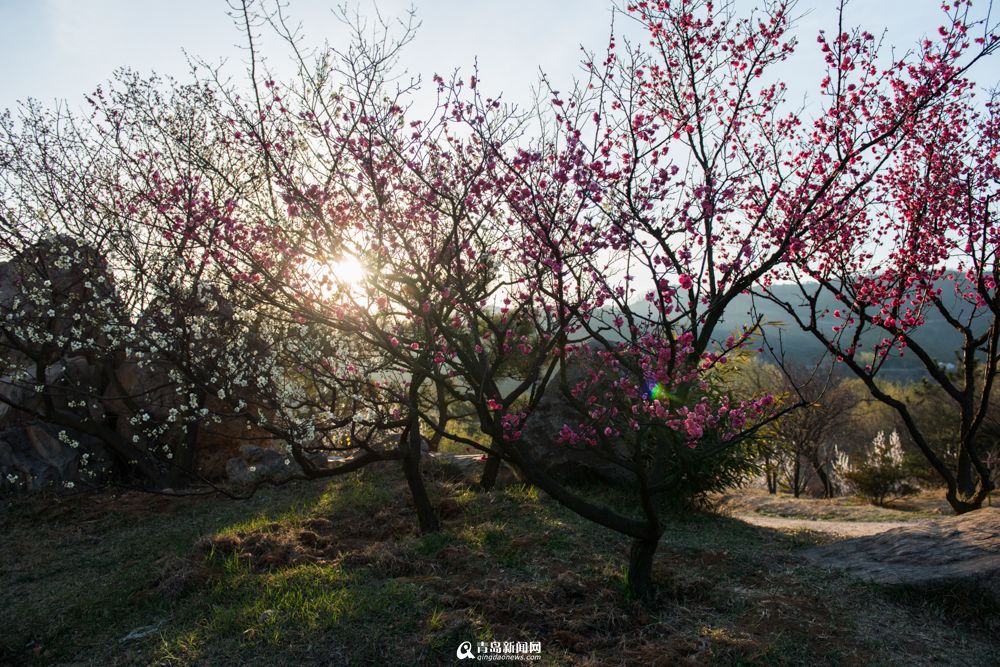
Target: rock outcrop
(464,468)
(64,314)
(539,435)
(962,549)
(256,463)
(36,456)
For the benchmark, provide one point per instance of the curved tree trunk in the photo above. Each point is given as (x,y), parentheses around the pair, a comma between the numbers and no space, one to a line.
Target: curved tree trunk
(824,478)
(490,472)
(971,485)
(640,568)
(410,443)
(414,479)
(962,503)
(645,537)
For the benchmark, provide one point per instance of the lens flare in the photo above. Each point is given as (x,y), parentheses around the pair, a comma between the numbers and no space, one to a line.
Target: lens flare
(657,392)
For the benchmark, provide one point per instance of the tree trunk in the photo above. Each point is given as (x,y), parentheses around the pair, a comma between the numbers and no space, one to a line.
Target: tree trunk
(640,568)
(772,481)
(796,477)
(411,446)
(825,479)
(771,474)
(434,442)
(184,462)
(490,472)
(962,503)
(971,487)
(965,478)
(421,501)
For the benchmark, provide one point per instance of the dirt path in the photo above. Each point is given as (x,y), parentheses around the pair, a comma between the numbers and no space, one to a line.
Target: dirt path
(838,528)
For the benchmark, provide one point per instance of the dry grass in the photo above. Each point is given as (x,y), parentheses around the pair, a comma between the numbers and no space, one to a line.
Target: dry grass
(927,505)
(336,574)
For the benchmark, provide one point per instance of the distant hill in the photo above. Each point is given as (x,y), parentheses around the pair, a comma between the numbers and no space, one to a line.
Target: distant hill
(936,335)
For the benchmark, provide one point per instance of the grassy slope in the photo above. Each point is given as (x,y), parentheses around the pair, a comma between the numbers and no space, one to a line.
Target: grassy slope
(333,573)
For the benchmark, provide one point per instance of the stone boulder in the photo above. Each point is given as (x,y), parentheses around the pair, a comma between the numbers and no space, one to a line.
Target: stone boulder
(464,468)
(58,285)
(255,464)
(34,457)
(223,431)
(66,380)
(16,393)
(61,287)
(962,550)
(585,463)
(220,441)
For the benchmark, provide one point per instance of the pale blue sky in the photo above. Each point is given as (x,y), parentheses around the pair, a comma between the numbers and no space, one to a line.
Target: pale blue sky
(61,49)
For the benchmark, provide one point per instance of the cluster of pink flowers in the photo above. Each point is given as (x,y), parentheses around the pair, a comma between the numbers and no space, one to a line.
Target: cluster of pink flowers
(634,387)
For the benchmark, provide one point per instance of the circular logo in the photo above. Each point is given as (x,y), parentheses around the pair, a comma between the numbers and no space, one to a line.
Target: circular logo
(465,651)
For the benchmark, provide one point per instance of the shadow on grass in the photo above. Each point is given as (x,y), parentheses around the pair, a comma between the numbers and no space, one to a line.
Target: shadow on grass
(335,573)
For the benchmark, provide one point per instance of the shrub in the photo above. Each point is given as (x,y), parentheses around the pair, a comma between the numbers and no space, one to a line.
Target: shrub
(883,475)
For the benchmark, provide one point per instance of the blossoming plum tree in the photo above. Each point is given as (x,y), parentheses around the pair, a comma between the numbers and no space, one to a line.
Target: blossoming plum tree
(276,347)
(66,308)
(677,165)
(596,253)
(918,241)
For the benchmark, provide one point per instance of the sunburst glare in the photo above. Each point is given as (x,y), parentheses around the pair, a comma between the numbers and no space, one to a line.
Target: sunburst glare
(348,270)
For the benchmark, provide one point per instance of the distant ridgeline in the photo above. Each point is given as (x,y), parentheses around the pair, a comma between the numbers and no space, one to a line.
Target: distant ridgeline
(936,336)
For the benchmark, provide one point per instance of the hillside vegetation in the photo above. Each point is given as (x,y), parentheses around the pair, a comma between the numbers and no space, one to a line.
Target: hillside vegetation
(334,573)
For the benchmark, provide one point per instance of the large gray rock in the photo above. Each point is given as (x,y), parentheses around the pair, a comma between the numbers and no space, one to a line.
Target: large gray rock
(464,468)
(61,291)
(15,393)
(256,463)
(33,457)
(962,549)
(540,431)
(221,434)
(57,286)
(66,380)
(56,295)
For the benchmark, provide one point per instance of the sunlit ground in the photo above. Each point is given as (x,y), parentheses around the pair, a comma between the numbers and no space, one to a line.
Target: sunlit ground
(335,573)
